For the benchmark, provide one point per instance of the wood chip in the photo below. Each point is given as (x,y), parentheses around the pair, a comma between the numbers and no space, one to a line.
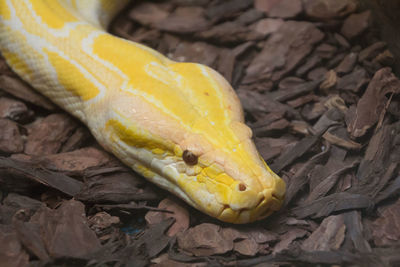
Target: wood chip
(385,228)
(178,212)
(20,89)
(46,136)
(328,236)
(204,239)
(10,137)
(371,104)
(356,24)
(279,56)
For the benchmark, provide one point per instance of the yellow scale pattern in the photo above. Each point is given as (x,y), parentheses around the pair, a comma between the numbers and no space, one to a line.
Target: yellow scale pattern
(141,106)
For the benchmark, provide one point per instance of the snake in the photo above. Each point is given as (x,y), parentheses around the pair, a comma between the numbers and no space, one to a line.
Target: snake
(178,124)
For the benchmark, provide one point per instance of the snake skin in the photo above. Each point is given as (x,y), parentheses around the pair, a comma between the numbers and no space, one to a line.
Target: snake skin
(141,106)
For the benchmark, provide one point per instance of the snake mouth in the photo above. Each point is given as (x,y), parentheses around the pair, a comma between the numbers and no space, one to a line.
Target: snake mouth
(267,204)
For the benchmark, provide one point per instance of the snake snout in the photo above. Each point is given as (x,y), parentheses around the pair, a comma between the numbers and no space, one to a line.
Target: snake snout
(248,204)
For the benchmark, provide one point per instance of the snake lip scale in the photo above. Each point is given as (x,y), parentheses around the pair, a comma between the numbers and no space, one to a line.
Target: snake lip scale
(180,125)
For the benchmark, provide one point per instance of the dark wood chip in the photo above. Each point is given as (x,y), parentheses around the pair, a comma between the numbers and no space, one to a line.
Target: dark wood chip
(25,174)
(280,55)
(385,228)
(290,155)
(372,102)
(116,188)
(333,203)
(20,89)
(356,24)
(11,140)
(328,236)
(329,9)
(184,20)
(46,136)
(12,252)
(65,231)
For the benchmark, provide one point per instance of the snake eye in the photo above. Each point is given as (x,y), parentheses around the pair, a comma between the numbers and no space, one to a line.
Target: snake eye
(189,158)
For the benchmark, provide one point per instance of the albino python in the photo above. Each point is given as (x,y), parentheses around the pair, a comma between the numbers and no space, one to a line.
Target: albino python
(180,125)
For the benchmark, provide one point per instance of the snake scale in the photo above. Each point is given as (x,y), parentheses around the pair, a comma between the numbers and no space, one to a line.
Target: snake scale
(180,125)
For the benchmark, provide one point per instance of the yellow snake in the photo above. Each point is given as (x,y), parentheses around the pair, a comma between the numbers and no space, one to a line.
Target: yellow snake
(180,125)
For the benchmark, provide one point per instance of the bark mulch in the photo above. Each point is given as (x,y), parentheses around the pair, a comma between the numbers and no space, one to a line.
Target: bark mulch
(318,91)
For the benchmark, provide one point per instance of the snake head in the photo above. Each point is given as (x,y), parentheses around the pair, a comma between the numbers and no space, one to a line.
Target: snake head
(181,126)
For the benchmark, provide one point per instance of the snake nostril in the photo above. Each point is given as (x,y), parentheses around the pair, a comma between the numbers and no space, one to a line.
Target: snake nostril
(242,187)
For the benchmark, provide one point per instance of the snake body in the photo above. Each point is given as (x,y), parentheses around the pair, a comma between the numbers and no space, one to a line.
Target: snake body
(180,125)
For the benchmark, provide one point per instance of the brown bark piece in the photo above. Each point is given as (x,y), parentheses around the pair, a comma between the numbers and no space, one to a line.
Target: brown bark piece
(76,140)
(65,231)
(230,32)
(204,240)
(198,52)
(379,162)
(226,9)
(184,20)
(329,81)
(340,137)
(325,50)
(10,137)
(386,228)
(20,89)
(247,247)
(354,231)
(310,63)
(268,26)
(26,174)
(14,110)
(353,81)
(76,161)
(317,73)
(289,155)
(386,58)
(265,5)
(328,236)
(347,63)
(261,236)
(333,203)
(179,213)
(280,54)
(102,220)
(329,9)
(259,104)
(372,102)
(227,60)
(47,136)
(30,236)
(11,252)
(286,9)
(295,89)
(271,147)
(149,13)
(322,188)
(18,203)
(356,24)
(116,188)
(250,16)
(288,238)
(371,51)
